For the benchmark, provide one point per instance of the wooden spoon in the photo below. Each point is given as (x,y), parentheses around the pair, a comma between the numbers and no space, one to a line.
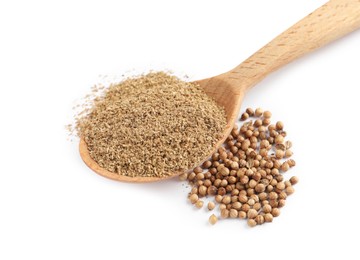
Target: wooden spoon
(328,23)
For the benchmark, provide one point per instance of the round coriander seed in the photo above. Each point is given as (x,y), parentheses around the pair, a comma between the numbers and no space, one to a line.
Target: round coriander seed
(250,111)
(294,180)
(279,139)
(213,219)
(259,219)
(211,205)
(279,125)
(275,212)
(199,204)
(267,208)
(289,190)
(207,164)
(194,198)
(251,222)
(279,154)
(267,114)
(252,213)
(244,116)
(225,213)
(284,167)
(233,213)
(259,112)
(236,205)
(268,217)
(288,153)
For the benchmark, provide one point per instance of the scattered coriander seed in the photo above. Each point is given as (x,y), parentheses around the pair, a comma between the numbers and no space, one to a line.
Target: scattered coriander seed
(279,139)
(198,169)
(194,190)
(250,111)
(258,123)
(285,167)
(294,180)
(259,219)
(266,121)
(275,212)
(200,176)
(193,198)
(191,176)
(259,112)
(218,198)
(244,116)
(279,125)
(213,219)
(251,202)
(268,217)
(288,144)
(211,205)
(222,206)
(281,203)
(246,174)
(251,222)
(280,185)
(273,195)
(257,206)
(266,208)
(226,200)
(260,187)
(233,213)
(279,154)
(252,213)
(242,214)
(267,114)
(199,204)
(202,190)
(236,205)
(207,164)
(225,213)
(288,153)
(291,163)
(289,190)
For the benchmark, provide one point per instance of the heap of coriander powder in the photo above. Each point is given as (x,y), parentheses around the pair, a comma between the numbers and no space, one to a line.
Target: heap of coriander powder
(152,126)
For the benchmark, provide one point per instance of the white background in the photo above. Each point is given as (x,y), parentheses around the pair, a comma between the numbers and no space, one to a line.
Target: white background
(53,207)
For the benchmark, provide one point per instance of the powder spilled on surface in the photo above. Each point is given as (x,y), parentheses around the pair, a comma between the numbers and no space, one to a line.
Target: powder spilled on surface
(152,125)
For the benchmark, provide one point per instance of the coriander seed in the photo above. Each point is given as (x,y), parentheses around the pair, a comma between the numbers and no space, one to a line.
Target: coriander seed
(211,205)
(193,198)
(259,112)
(268,217)
(213,219)
(279,125)
(251,222)
(225,213)
(250,111)
(275,212)
(267,114)
(244,116)
(294,180)
(252,213)
(199,204)
(233,213)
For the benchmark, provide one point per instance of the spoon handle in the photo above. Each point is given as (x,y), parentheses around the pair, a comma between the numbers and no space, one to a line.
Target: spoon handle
(328,23)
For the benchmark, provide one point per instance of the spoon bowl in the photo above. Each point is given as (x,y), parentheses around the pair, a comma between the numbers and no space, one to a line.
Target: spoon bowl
(331,21)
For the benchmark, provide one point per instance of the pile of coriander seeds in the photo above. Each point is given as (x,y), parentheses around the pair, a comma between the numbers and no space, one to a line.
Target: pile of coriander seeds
(245,176)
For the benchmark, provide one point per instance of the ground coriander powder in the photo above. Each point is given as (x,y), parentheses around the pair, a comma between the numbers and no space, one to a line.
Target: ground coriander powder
(152,125)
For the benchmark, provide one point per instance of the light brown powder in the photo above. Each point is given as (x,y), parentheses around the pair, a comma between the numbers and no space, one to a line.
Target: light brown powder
(151,125)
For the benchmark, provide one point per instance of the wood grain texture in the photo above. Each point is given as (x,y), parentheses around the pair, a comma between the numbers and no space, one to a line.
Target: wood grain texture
(331,21)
